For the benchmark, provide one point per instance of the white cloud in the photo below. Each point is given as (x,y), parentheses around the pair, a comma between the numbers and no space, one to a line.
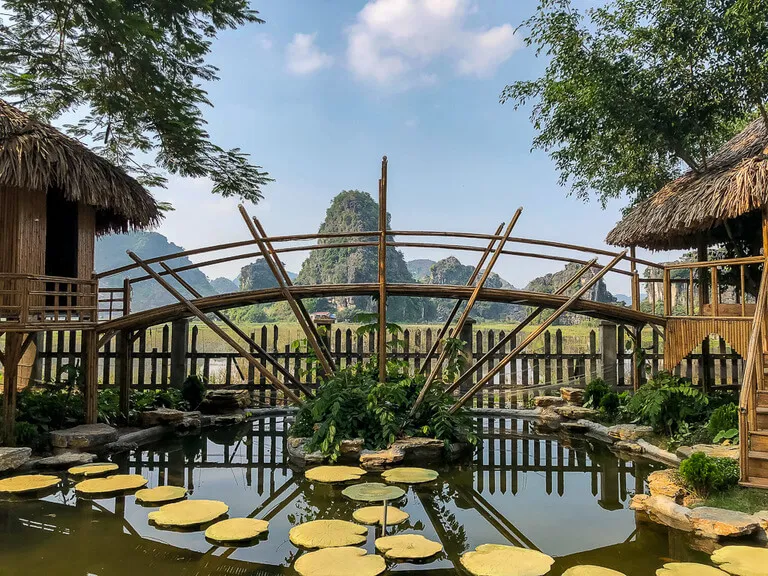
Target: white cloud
(393,42)
(304,57)
(265,41)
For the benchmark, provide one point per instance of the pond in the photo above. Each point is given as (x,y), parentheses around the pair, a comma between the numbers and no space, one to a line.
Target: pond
(565,497)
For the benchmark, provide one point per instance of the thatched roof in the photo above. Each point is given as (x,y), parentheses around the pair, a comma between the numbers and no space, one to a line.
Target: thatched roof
(733,185)
(36,156)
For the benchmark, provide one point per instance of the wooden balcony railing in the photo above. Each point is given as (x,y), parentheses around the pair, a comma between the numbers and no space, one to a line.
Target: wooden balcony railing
(30,302)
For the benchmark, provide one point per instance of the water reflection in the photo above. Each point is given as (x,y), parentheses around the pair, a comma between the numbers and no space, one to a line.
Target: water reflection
(566,498)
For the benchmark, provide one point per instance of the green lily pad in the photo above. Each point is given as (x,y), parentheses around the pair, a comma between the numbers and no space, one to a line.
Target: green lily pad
(373,492)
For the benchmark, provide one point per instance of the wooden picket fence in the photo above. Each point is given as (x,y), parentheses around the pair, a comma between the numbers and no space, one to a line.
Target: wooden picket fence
(551,361)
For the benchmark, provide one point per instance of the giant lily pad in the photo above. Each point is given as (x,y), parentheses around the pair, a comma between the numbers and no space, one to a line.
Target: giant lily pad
(408,547)
(111,484)
(742,560)
(373,492)
(27,483)
(406,475)
(334,474)
(345,561)
(96,469)
(589,570)
(237,530)
(501,560)
(375,515)
(328,534)
(689,569)
(188,513)
(161,495)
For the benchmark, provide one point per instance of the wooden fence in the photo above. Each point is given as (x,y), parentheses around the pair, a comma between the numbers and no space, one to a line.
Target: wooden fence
(553,360)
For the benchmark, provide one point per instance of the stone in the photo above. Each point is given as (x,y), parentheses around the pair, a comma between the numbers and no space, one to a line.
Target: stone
(237,530)
(191,423)
(572,395)
(500,560)
(407,547)
(115,484)
(420,450)
(597,431)
(160,417)
(377,459)
(232,419)
(667,483)
(297,452)
(374,515)
(406,475)
(342,561)
(574,427)
(663,510)
(629,432)
(84,437)
(328,534)
(546,401)
(576,412)
(63,460)
(711,522)
(658,454)
(224,401)
(188,513)
(12,458)
(711,450)
(351,448)
(631,447)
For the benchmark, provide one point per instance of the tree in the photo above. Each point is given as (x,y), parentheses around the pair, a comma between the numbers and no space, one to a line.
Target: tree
(637,90)
(132,69)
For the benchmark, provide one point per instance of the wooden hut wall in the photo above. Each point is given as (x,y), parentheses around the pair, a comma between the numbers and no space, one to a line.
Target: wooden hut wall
(9,229)
(22,231)
(86,238)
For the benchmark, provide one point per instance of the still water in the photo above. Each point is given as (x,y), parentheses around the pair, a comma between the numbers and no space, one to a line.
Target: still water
(568,499)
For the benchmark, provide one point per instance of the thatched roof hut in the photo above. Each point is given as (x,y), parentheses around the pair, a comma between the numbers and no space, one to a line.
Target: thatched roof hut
(36,156)
(711,206)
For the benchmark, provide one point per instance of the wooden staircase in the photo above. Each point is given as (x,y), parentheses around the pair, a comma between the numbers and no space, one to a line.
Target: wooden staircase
(753,402)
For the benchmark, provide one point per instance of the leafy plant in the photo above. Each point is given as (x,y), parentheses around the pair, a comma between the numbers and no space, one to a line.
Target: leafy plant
(610,403)
(666,402)
(594,392)
(705,474)
(193,390)
(724,423)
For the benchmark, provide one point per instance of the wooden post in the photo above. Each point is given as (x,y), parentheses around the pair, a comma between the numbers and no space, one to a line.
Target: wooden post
(466,335)
(179,350)
(126,296)
(715,293)
(637,373)
(704,367)
(608,352)
(635,280)
(667,287)
(90,363)
(12,355)
(124,371)
(702,256)
(382,334)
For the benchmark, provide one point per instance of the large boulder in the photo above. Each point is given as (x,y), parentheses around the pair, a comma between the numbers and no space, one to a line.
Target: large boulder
(572,395)
(420,450)
(663,510)
(669,483)
(576,412)
(629,432)
(297,452)
(225,401)
(160,417)
(83,437)
(62,461)
(719,523)
(12,458)
(378,459)
(190,423)
(546,401)
(711,450)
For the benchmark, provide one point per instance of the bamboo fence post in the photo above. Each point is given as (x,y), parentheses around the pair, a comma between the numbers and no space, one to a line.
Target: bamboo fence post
(467,308)
(635,280)
(535,334)
(455,310)
(217,330)
(90,353)
(382,334)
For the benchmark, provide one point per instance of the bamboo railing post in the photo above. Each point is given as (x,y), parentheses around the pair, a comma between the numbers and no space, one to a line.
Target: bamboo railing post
(217,330)
(667,287)
(457,306)
(237,330)
(535,333)
(90,351)
(12,356)
(467,309)
(742,291)
(715,293)
(308,329)
(691,307)
(635,280)
(382,277)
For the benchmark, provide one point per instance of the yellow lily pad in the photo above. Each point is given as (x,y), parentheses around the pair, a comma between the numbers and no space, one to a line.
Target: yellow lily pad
(344,561)
(408,547)
(28,483)
(373,492)
(97,469)
(406,475)
(589,570)
(689,569)
(328,534)
(501,560)
(334,474)
(375,515)
(237,530)
(111,484)
(742,560)
(161,494)
(188,513)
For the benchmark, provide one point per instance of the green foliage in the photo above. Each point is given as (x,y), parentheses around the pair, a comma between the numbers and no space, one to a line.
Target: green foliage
(193,390)
(135,71)
(594,392)
(666,402)
(724,423)
(610,403)
(705,474)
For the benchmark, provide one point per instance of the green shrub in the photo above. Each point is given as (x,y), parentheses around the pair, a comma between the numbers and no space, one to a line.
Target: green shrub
(610,403)
(193,390)
(594,392)
(666,402)
(724,423)
(705,474)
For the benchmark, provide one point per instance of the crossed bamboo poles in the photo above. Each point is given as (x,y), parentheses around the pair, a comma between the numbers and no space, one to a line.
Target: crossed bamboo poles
(319,345)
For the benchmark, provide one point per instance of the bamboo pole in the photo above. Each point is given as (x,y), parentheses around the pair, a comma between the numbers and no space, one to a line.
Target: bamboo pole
(535,334)
(467,309)
(288,377)
(285,291)
(455,310)
(516,330)
(382,334)
(217,330)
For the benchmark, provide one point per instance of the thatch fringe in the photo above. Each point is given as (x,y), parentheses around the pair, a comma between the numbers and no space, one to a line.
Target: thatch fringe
(36,156)
(734,183)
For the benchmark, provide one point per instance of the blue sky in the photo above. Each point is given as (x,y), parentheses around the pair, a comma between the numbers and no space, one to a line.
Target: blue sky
(322,90)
